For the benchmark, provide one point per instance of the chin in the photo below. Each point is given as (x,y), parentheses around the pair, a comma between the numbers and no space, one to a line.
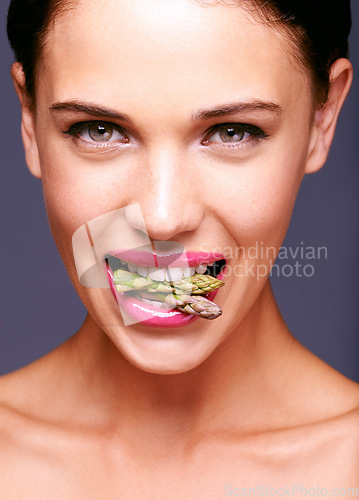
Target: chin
(151,348)
(166,359)
(166,352)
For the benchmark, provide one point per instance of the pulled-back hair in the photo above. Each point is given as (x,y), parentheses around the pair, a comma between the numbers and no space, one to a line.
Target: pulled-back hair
(28,22)
(318,28)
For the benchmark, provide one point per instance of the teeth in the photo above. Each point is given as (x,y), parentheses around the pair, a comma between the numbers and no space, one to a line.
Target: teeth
(201,269)
(156,274)
(188,271)
(174,274)
(142,271)
(170,274)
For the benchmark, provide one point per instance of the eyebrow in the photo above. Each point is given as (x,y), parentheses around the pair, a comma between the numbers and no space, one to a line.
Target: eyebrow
(244,106)
(206,114)
(89,109)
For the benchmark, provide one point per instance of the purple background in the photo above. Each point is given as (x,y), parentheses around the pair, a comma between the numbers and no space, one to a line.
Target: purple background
(39,309)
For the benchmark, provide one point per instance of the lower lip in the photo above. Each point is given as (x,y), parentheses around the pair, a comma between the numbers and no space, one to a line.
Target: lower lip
(144,313)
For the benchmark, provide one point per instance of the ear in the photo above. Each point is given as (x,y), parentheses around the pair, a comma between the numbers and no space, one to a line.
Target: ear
(325,119)
(28,121)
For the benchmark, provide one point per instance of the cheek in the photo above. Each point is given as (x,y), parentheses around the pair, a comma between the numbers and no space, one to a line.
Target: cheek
(69,200)
(258,201)
(76,190)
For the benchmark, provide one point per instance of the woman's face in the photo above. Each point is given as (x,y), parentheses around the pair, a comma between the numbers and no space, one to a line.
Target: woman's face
(171,79)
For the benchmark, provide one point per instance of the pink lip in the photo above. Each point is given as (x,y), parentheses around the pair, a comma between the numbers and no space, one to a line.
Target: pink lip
(152,259)
(149,315)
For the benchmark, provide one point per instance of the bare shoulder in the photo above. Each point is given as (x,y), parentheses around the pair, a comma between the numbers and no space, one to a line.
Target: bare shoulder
(20,390)
(19,431)
(324,393)
(325,437)
(328,398)
(30,399)
(20,404)
(36,440)
(311,430)
(328,450)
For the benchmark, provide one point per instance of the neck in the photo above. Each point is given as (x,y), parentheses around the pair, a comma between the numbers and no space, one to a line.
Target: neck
(243,371)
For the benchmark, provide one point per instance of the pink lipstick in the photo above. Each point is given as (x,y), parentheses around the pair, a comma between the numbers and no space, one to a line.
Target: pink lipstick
(154,313)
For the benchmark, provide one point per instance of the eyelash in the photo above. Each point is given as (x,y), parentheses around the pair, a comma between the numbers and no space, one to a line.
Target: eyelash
(77,128)
(255,133)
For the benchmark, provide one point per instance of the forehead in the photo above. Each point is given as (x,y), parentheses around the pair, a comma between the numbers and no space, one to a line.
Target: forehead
(115,50)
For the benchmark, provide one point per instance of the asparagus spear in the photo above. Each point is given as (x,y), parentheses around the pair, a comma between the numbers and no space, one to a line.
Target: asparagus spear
(199,306)
(175,293)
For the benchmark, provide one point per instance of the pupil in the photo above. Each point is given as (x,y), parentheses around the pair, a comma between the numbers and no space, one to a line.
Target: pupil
(100,133)
(232,134)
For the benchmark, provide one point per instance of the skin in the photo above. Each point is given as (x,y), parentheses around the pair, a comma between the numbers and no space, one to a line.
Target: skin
(139,412)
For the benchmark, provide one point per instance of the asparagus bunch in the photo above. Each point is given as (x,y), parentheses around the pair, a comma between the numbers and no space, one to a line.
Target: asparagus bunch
(175,293)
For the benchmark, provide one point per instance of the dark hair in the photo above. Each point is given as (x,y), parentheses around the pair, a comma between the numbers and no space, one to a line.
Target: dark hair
(318,28)
(28,22)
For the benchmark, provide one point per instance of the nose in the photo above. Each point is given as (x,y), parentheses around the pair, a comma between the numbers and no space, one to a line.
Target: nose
(168,195)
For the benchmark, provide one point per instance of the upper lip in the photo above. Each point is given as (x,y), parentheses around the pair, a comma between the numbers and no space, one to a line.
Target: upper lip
(170,259)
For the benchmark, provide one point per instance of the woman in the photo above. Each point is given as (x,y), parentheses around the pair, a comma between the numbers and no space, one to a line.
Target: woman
(167,140)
